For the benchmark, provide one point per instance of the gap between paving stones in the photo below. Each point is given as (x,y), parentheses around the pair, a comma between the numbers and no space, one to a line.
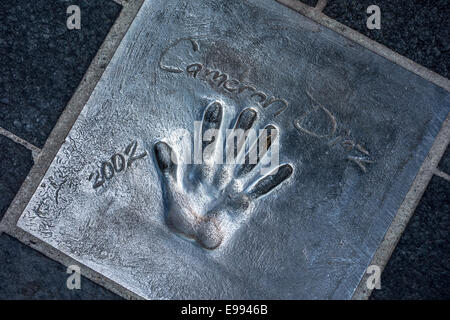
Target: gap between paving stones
(34,150)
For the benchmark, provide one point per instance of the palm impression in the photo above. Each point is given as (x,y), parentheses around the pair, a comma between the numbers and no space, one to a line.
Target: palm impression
(205,202)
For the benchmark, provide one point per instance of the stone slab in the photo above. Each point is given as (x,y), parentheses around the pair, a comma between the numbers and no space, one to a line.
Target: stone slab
(15,163)
(418,268)
(43,61)
(27,274)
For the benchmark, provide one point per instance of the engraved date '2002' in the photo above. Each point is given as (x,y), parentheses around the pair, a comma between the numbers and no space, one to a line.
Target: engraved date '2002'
(118,163)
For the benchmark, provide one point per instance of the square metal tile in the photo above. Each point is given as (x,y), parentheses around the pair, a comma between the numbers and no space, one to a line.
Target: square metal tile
(353,127)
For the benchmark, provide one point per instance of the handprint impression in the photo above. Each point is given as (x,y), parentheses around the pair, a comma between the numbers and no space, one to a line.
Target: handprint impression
(203,201)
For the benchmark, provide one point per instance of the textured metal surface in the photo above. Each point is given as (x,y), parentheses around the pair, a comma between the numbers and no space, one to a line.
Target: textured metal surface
(353,127)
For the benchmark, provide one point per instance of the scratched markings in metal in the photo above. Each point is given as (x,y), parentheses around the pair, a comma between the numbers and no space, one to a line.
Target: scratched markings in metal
(353,130)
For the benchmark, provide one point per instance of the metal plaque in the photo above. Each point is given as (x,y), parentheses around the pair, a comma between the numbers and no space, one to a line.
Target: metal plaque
(348,130)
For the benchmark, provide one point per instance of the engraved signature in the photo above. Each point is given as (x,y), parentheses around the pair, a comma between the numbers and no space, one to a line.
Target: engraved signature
(118,163)
(344,138)
(219,79)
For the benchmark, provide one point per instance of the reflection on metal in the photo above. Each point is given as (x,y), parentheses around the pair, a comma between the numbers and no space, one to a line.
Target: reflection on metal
(351,127)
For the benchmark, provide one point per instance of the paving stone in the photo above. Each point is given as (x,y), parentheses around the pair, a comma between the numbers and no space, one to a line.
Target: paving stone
(43,61)
(419,267)
(417,29)
(15,163)
(27,274)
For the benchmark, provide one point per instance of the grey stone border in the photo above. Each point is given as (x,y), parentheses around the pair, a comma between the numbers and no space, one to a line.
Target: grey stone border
(130,8)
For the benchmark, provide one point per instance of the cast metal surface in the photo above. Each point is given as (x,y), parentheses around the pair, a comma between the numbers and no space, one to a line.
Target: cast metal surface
(353,130)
